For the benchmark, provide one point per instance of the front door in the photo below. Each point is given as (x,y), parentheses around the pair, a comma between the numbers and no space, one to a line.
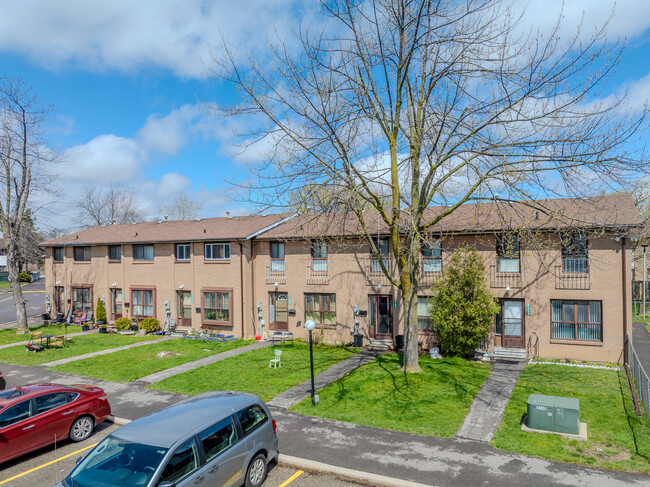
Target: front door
(278,311)
(117,300)
(184,308)
(510,324)
(381,317)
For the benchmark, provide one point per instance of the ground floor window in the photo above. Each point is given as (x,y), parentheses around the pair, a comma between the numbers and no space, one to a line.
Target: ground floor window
(142,303)
(117,300)
(216,306)
(576,320)
(424,315)
(81,299)
(321,308)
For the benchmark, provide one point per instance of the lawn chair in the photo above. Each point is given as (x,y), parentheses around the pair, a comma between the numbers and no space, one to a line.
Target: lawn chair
(89,317)
(34,347)
(276,361)
(80,321)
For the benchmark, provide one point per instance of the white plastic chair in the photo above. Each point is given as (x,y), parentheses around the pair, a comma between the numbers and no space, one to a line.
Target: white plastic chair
(276,361)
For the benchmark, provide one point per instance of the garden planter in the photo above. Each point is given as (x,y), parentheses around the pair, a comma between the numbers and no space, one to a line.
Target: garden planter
(134,327)
(85,328)
(102,330)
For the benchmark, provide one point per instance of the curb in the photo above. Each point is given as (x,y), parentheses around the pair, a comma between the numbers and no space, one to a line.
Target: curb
(374,479)
(117,420)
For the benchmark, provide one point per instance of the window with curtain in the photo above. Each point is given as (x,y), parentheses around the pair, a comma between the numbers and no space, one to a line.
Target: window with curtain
(321,308)
(382,247)
(508,252)
(574,252)
(217,251)
(82,254)
(81,300)
(576,320)
(216,306)
(58,254)
(115,252)
(432,257)
(142,303)
(277,256)
(143,252)
(424,315)
(319,256)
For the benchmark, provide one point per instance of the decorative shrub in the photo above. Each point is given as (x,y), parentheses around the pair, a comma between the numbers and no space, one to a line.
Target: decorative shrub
(123,324)
(150,324)
(100,311)
(24,277)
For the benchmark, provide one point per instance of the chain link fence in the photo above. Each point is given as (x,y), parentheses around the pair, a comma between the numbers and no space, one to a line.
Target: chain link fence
(640,377)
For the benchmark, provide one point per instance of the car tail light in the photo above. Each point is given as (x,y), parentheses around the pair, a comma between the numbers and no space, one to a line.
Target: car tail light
(103,398)
(275,426)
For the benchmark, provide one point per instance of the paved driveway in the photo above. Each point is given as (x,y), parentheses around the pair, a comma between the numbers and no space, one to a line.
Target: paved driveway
(641,343)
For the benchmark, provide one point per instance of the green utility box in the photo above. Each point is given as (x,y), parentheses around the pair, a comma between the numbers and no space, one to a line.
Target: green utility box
(553,413)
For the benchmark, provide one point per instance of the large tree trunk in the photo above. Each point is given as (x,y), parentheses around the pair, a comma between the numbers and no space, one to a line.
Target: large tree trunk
(409,280)
(14,283)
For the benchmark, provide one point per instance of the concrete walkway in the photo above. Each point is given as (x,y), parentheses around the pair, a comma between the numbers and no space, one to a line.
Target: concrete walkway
(489,404)
(297,393)
(179,369)
(641,344)
(106,352)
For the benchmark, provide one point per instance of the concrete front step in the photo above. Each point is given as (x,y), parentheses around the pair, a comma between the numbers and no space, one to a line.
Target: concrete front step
(379,344)
(181,331)
(509,353)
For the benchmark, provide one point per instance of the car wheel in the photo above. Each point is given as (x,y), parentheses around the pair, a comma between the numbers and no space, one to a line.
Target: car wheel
(256,473)
(81,428)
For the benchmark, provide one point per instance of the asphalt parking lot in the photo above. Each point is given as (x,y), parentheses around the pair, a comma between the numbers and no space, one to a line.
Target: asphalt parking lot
(46,467)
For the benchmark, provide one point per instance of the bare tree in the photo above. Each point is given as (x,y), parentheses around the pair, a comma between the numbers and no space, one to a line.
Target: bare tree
(23,155)
(405,104)
(107,206)
(28,248)
(182,207)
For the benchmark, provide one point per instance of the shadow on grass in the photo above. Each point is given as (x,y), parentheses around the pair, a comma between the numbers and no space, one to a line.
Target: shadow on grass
(633,421)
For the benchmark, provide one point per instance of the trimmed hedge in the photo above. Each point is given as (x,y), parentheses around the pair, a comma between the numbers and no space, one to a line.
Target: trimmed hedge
(149,324)
(123,324)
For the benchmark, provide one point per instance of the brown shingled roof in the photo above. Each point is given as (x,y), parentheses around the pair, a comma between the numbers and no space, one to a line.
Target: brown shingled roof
(615,211)
(222,228)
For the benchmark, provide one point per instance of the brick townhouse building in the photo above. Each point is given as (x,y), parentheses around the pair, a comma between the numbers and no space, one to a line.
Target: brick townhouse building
(560,269)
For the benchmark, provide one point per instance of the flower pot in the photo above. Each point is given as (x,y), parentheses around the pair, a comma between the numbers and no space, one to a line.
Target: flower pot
(85,328)
(134,327)
(102,330)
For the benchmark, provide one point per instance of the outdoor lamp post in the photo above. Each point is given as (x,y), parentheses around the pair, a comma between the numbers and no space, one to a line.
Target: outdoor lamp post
(310,325)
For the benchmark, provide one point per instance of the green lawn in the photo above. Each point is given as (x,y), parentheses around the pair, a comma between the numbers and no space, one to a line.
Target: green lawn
(250,372)
(9,335)
(434,402)
(79,346)
(617,438)
(128,365)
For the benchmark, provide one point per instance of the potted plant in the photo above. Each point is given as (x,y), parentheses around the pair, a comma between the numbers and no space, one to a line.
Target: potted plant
(85,327)
(100,312)
(102,328)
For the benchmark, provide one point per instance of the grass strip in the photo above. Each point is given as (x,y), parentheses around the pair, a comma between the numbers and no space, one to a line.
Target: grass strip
(132,364)
(250,372)
(79,346)
(380,394)
(617,438)
(8,335)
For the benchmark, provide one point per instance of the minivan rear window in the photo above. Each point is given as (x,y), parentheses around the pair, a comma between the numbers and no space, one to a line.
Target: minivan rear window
(251,418)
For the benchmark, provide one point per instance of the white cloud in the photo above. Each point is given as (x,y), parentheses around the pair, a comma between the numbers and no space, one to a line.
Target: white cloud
(168,134)
(126,35)
(171,184)
(106,157)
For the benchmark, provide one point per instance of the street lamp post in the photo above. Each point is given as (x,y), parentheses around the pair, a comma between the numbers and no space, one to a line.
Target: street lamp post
(310,325)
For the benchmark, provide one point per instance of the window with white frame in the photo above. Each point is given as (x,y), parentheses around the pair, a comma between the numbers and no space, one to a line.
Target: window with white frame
(319,256)
(508,252)
(217,251)
(277,256)
(183,252)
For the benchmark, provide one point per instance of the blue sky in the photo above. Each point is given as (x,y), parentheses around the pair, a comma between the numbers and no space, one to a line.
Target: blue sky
(126,79)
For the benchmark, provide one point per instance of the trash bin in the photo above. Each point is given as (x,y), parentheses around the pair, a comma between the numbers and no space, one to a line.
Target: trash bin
(358,340)
(399,342)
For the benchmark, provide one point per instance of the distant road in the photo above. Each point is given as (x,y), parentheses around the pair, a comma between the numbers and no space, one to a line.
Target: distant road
(33,293)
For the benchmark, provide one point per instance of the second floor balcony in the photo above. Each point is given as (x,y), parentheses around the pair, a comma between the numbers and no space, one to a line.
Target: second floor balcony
(507,273)
(275,271)
(318,271)
(573,273)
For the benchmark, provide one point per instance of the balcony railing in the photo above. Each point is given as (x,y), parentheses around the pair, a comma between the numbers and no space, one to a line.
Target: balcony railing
(430,271)
(504,279)
(318,271)
(374,274)
(567,279)
(275,272)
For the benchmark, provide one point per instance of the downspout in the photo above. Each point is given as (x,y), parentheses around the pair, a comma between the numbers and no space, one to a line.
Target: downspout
(252,242)
(241,283)
(625,310)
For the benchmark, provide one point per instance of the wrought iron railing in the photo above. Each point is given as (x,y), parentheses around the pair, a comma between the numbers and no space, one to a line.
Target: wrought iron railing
(504,279)
(318,271)
(275,271)
(639,376)
(571,280)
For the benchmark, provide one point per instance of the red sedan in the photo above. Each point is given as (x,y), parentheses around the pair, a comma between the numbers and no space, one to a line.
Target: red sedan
(37,415)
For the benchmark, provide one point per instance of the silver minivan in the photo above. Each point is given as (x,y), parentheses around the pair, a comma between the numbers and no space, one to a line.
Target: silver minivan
(213,439)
